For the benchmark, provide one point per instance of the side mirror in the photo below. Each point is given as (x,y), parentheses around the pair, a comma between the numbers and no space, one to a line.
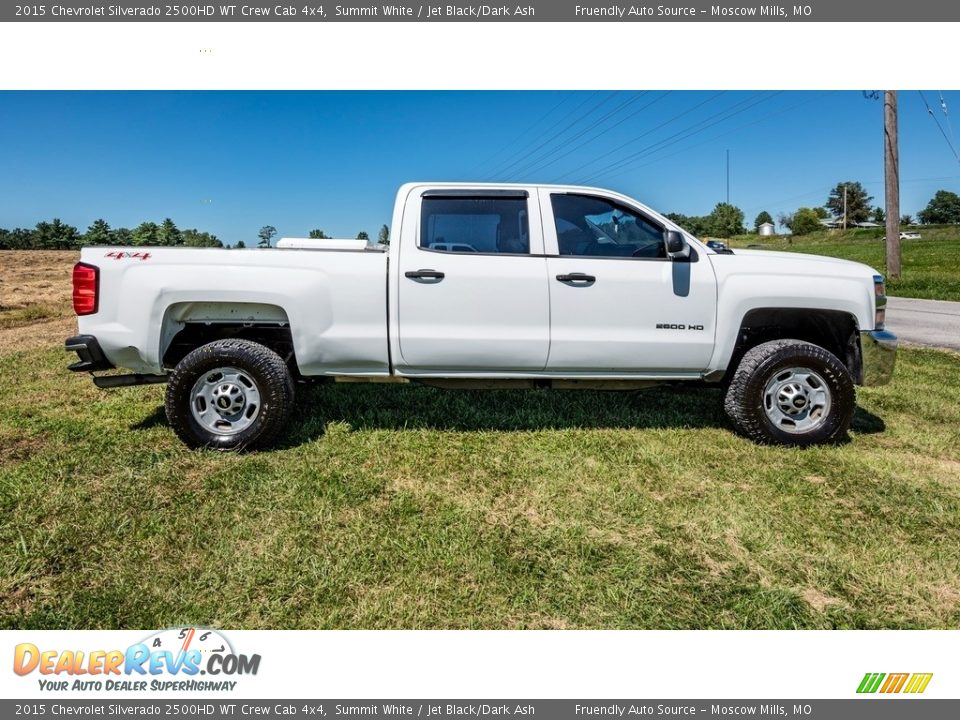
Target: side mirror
(677,247)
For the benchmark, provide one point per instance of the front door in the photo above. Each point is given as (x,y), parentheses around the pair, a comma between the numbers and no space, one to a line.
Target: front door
(618,303)
(473,292)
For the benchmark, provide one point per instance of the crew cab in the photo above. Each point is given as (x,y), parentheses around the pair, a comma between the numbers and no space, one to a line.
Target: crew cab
(486,286)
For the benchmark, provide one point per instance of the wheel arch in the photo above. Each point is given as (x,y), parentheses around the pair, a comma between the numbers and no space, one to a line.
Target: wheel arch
(188,325)
(834,330)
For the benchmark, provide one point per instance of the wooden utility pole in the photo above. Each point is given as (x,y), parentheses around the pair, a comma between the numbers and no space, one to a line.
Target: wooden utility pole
(891,172)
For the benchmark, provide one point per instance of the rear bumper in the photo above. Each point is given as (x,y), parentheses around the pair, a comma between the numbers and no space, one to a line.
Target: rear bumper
(879,352)
(88,350)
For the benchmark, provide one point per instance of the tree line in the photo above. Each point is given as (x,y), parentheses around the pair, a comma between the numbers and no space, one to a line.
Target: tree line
(846,199)
(57,235)
(851,200)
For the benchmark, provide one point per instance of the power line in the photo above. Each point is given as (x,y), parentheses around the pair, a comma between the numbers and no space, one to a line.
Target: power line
(502,170)
(725,133)
(564,117)
(606,130)
(939,127)
(642,135)
(622,163)
(946,114)
(539,165)
(621,166)
(517,138)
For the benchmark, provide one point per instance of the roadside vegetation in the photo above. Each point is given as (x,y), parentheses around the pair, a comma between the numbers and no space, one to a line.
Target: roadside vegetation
(931,265)
(410,507)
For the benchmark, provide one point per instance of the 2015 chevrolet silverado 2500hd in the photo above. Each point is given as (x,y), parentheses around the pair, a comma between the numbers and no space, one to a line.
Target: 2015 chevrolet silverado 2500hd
(487,286)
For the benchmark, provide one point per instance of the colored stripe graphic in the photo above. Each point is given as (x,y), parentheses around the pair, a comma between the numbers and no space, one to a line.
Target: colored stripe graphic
(894,683)
(870,682)
(918,683)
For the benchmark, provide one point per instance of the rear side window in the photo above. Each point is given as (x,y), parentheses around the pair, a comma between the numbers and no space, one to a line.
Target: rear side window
(596,227)
(475,225)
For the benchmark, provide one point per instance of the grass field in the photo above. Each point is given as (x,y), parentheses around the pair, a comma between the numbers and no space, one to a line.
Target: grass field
(931,265)
(409,507)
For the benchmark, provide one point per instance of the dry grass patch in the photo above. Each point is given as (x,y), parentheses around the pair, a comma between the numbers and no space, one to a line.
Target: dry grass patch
(35,299)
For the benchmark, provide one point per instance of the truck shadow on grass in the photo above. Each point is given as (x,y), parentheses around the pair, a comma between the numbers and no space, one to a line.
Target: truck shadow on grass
(416,407)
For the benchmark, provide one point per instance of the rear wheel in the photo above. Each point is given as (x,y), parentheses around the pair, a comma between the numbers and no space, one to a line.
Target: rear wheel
(789,392)
(230,395)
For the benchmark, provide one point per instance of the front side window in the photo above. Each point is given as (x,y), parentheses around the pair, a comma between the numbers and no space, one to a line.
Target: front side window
(596,227)
(475,225)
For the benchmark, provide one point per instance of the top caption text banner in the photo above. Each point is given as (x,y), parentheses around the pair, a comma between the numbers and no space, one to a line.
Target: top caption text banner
(858,11)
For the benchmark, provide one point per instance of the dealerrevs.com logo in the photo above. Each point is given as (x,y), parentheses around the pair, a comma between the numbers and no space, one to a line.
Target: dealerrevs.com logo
(173,659)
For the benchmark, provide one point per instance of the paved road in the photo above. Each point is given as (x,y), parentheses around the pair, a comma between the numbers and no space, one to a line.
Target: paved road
(925,322)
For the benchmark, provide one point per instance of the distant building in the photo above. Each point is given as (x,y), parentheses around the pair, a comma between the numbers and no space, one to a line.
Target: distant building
(766,229)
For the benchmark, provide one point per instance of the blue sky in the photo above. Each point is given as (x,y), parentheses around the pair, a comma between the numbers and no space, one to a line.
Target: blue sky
(231,162)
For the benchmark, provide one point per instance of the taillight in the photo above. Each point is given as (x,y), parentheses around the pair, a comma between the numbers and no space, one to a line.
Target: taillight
(86,284)
(880,296)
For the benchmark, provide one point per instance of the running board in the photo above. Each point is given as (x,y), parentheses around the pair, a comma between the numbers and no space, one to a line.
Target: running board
(114,381)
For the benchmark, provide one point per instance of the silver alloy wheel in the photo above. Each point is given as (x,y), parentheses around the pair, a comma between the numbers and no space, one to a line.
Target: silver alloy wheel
(225,401)
(797,400)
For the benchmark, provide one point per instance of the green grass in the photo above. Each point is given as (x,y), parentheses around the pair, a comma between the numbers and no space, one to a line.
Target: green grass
(409,507)
(18,317)
(931,265)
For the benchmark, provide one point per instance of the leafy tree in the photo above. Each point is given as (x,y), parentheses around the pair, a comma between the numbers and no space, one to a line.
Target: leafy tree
(943,209)
(56,235)
(383,237)
(693,224)
(906,219)
(879,215)
(121,236)
(318,234)
(22,239)
(146,233)
(169,234)
(821,212)
(362,235)
(725,220)
(763,217)
(195,238)
(858,202)
(240,245)
(98,233)
(804,221)
(266,235)
(784,219)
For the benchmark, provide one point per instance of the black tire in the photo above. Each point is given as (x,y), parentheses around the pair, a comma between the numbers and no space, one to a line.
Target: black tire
(747,401)
(260,371)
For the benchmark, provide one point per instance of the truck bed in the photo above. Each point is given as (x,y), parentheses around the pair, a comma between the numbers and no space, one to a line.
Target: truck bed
(333,301)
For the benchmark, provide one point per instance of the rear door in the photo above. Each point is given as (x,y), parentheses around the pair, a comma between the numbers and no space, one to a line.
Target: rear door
(618,303)
(473,293)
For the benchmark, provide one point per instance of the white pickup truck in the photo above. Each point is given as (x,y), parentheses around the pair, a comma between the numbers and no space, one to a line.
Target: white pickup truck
(486,286)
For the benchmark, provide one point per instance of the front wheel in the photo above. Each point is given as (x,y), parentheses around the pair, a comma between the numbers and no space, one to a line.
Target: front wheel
(790,392)
(230,395)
